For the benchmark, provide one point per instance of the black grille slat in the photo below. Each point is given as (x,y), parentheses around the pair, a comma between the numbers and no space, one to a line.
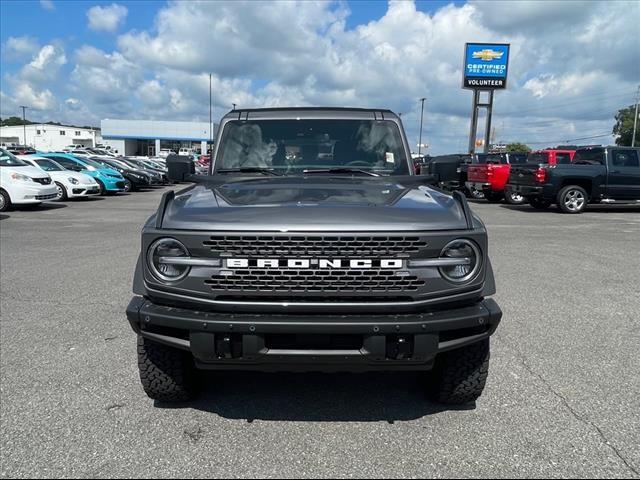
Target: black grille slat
(313,246)
(350,281)
(42,181)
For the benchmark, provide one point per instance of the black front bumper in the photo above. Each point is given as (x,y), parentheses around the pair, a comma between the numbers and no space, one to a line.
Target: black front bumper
(246,341)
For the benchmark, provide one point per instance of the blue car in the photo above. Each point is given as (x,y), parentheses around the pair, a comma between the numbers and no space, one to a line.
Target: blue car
(109,180)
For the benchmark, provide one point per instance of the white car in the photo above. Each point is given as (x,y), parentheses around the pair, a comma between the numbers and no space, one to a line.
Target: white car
(21,184)
(69,184)
(164,153)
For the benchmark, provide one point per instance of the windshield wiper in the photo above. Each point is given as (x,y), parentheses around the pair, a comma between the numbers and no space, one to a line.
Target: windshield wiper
(267,171)
(341,170)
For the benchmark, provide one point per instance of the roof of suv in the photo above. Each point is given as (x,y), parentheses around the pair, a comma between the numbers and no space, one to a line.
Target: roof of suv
(312,112)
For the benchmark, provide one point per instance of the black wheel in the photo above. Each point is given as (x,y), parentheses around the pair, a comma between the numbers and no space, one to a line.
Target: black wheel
(62,192)
(167,374)
(514,198)
(128,186)
(460,375)
(539,204)
(5,201)
(103,189)
(494,197)
(475,193)
(572,199)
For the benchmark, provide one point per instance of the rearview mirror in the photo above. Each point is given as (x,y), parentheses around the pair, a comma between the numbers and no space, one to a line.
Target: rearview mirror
(179,166)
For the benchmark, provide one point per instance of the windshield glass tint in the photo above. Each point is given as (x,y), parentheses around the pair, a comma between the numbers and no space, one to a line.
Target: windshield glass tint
(9,160)
(540,157)
(518,158)
(48,165)
(595,156)
(290,146)
(94,164)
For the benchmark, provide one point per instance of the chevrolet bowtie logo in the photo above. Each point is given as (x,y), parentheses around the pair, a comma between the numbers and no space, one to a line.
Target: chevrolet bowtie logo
(488,55)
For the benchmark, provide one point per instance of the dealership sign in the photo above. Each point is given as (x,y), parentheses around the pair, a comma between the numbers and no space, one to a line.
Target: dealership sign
(486,65)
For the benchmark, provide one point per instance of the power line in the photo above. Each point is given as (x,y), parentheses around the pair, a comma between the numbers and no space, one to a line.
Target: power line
(576,101)
(568,140)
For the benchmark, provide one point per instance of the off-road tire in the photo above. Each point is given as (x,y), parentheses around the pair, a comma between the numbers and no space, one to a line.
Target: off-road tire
(577,205)
(167,374)
(539,204)
(460,375)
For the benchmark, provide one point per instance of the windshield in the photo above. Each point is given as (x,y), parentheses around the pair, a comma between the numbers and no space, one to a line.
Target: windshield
(9,160)
(291,146)
(538,157)
(48,165)
(91,163)
(592,156)
(518,158)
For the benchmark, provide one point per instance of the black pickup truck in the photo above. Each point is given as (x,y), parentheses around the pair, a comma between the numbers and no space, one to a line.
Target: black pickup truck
(596,175)
(313,245)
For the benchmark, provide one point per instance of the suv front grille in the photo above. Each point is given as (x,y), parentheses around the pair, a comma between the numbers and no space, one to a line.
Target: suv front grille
(314,245)
(315,281)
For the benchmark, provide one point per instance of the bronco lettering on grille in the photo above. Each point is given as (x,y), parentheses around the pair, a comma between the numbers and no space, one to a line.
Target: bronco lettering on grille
(315,263)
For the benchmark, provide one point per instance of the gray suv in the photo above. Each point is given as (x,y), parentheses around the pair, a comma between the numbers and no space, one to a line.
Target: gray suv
(313,246)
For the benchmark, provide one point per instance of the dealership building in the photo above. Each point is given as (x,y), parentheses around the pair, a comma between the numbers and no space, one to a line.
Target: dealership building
(49,137)
(148,137)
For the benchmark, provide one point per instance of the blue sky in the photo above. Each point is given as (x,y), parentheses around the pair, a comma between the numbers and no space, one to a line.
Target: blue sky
(573,63)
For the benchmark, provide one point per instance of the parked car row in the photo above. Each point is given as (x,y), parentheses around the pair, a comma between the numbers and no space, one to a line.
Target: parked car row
(568,178)
(31,177)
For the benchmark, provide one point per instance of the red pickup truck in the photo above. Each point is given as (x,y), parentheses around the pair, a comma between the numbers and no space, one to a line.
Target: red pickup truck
(491,177)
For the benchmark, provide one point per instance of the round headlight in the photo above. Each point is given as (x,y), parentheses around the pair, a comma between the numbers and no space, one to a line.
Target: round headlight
(471,261)
(73,180)
(160,257)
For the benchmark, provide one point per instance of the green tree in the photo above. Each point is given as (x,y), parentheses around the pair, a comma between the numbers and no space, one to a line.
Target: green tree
(518,147)
(13,121)
(624,126)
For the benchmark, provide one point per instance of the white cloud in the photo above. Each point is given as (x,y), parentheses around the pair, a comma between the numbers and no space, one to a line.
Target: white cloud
(19,48)
(47,5)
(44,66)
(25,94)
(107,19)
(573,64)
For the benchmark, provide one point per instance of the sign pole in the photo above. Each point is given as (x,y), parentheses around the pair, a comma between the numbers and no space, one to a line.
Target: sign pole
(487,131)
(474,122)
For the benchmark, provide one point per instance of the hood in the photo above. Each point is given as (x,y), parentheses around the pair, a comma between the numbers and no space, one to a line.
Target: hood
(315,203)
(81,177)
(32,172)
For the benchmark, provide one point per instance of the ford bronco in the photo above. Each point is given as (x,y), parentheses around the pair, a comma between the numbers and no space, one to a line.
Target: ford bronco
(311,245)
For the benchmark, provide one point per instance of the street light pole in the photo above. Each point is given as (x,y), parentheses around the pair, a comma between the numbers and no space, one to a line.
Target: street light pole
(210,120)
(421,118)
(635,119)
(24,125)
(234,106)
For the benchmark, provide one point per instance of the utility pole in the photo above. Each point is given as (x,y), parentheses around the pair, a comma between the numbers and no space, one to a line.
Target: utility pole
(635,119)
(24,125)
(210,120)
(421,117)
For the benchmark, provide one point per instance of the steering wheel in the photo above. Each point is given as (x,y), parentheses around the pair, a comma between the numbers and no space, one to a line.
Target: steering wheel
(358,163)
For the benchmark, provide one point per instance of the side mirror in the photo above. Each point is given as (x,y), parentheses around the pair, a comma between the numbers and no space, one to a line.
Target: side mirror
(179,166)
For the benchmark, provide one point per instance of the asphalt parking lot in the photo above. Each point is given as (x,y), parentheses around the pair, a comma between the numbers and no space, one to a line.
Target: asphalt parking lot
(563,398)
